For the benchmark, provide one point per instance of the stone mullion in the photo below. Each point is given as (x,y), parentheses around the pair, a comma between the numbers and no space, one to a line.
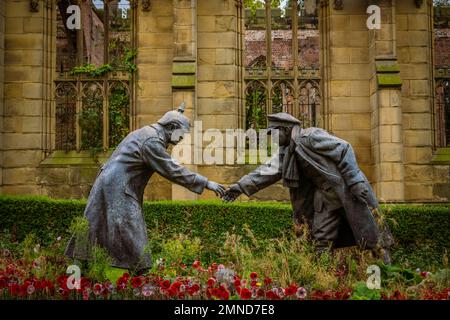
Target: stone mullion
(105,90)
(106,32)
(80,47)
(133,78)
(240,65)
(105,84)
(325,62)
(296,58)
(47,78)
(78,108)
(269,56)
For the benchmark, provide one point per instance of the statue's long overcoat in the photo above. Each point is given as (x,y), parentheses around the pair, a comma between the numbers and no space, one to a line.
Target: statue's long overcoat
(334,159)
(114,207)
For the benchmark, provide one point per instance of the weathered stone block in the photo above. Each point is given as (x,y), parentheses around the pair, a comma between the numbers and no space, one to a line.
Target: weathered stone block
(53,176)
(216,72)
(207,106)
(22,107)
(14,25)
(423,173)
(22,124)
(340,88)
(417,121)
(225,56)
(390,116)
(33,25)
(16,176)
(21,158)
(418,191)
(419,138)
(211,40)
(390,191)
(14,141)
(81,175)
(31,190)
(391,152)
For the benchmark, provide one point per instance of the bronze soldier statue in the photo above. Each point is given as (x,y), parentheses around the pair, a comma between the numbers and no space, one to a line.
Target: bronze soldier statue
(114,207)
(328,191)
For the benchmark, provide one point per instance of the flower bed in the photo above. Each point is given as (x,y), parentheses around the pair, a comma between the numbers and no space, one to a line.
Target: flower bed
(287,269)
(214,282)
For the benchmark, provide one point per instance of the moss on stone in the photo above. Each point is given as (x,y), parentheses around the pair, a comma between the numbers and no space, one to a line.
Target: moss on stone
(183,68)
(183,81)
(442,156)
(395,68)
(389,80)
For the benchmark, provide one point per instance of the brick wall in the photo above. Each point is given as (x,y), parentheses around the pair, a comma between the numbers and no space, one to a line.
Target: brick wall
(282,55)
(442,47)
(255,46)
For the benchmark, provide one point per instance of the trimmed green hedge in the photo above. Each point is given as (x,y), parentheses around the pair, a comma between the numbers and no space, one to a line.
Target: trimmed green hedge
(422,232)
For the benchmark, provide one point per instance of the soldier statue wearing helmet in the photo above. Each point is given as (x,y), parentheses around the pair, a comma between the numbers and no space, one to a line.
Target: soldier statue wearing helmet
(114,207)
(328,190)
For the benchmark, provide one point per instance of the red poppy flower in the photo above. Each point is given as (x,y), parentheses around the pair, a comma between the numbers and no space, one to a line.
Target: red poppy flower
(177,285)
(196,264)
(253,275)
(98,288)
(291,290)
(211,282)
(272,295)
(260,293)
(215,292)
(121,283)
(267,281)
(2,282)
(137,282)
(193,289)
(245,294)
(224,294)
(165,284)
(237,283)
(171,292)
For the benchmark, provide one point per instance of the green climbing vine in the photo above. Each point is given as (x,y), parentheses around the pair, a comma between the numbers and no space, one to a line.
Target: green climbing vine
(91,115)
(91,70)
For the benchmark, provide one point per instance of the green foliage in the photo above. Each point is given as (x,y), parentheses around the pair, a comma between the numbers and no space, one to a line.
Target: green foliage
(30,247)
(259,4)
(395,274)
(129,61)
(181,250)
(91,122)
(91,70)
(255,102)
(421,231)
(362,292)
(289,258)
(441,278)
(119,103)
(98,265)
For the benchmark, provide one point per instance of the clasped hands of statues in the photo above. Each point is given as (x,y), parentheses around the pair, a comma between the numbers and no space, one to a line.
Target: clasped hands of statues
(358,190)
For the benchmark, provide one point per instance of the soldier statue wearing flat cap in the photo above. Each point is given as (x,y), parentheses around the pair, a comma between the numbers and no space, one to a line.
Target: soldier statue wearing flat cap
(114,207)
(328,191)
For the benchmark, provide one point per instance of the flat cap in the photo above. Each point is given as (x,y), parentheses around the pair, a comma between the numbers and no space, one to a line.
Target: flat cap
(282,119)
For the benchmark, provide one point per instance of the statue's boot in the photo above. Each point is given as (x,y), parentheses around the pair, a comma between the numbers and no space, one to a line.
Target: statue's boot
(324,247)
